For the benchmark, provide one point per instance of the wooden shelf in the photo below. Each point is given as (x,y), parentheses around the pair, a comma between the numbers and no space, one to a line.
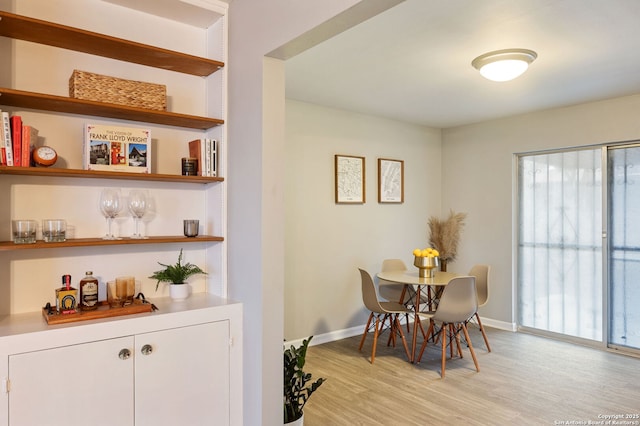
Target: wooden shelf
(43,32)
(93,174)
(88,242)
(33,100)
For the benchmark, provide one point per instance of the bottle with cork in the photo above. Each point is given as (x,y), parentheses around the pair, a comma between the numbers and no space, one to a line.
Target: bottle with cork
(88,292)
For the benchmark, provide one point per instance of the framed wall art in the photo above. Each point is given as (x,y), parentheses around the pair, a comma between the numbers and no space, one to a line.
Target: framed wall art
(390,181)
(349,179)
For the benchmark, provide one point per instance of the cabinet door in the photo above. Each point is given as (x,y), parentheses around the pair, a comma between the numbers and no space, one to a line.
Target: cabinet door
(184,380)
(87,384)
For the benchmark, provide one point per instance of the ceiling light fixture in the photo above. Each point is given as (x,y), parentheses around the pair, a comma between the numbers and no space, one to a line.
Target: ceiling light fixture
(504,65)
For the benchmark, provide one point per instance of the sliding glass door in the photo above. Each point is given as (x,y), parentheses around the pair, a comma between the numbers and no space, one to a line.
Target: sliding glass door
(560,243)
(561,285)
(624,246)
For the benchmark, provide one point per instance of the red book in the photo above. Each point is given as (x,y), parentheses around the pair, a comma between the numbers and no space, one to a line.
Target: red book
(16,137)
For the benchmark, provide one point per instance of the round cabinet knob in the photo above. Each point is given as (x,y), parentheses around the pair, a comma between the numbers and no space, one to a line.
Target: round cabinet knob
(124,354)
(146,349)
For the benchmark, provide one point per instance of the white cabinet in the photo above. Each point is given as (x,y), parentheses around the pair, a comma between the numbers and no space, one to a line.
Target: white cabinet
(178,366)
(73,385)
(177,382)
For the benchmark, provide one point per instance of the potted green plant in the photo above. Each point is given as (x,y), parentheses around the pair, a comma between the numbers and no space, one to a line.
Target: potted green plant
(177,275)
(296,390)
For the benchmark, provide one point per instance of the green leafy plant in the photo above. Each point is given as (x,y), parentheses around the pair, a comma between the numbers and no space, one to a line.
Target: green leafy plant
(176,274)
(296,391)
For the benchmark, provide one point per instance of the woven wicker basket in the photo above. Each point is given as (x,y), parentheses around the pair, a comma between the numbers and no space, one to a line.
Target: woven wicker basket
(102,88)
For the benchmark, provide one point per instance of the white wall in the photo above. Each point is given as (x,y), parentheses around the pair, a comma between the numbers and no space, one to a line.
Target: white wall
(477,164)
(256,261)
(326,242)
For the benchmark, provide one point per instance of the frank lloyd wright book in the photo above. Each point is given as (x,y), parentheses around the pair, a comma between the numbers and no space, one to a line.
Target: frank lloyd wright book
(117,149)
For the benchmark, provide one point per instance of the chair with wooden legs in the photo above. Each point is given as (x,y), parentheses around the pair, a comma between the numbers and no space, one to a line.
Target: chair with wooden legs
(481,272)
(382,312)
(458,303)
(393,292)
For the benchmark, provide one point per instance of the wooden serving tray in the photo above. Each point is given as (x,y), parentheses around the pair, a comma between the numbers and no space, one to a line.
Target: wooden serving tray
(103,311)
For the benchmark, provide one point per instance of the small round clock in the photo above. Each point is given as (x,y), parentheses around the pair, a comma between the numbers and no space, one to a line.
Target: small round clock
(45,156)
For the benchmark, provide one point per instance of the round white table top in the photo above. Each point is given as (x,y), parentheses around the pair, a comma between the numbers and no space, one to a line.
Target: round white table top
(413,277)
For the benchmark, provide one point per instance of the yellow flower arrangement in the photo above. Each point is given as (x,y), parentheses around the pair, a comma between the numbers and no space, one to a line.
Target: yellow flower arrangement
(427,252)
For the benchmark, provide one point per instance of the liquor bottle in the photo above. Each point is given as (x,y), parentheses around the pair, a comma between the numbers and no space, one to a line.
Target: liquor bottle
(89,292)
(66,297)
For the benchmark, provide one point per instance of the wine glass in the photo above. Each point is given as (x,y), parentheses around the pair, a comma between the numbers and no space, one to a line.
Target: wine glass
(137,207)
(110,207)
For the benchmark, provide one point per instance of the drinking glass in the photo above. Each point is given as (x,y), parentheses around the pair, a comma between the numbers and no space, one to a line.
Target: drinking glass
(137,207)
(24,231)
(110,207)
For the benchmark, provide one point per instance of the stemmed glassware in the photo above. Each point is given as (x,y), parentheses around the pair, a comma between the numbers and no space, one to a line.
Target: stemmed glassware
(110,206)
(137,207)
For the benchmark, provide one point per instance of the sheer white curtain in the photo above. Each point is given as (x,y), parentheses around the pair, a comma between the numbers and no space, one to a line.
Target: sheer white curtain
(560,242)
(624,246)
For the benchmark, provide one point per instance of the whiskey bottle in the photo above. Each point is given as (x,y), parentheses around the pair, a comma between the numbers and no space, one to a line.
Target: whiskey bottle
(89,292)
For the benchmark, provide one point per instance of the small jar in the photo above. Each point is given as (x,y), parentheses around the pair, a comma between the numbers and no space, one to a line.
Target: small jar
(89,292)
(189,166)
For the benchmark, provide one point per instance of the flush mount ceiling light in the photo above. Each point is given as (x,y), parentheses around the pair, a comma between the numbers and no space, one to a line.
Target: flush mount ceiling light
(504,65)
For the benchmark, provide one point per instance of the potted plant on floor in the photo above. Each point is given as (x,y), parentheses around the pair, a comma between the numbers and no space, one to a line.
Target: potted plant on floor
(177,275)
(296,391)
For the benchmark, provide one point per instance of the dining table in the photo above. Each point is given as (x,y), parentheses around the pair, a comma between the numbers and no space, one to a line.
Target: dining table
(412,280)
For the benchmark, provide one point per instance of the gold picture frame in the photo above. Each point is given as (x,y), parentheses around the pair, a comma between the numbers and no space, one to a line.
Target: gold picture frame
(390,181)
(349,179)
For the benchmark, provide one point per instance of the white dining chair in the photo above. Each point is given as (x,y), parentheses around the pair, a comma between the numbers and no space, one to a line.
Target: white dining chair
(481,272)
(382,312)
(458,303)
(391,292)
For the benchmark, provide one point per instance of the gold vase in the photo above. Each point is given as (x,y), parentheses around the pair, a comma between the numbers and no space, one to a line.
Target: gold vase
(426,266)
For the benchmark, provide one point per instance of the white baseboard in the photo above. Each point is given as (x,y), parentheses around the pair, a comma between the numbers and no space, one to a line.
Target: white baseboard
(328,337)
(356,331)
(500,325)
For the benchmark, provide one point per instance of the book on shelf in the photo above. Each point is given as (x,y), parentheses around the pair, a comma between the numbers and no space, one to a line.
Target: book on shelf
(205,151)
(215,147)
(207,158)
(3,149)
(197,151)
(6,133)
(117,148)
(16,137)
(29,141)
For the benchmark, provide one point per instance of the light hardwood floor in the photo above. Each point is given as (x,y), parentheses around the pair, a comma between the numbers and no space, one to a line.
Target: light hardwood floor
(525,380)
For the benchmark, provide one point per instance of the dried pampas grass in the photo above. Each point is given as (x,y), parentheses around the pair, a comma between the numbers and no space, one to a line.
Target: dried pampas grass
(445,235)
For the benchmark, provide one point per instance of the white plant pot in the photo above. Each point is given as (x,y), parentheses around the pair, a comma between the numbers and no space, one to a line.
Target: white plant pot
(179,291)
(299,422)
